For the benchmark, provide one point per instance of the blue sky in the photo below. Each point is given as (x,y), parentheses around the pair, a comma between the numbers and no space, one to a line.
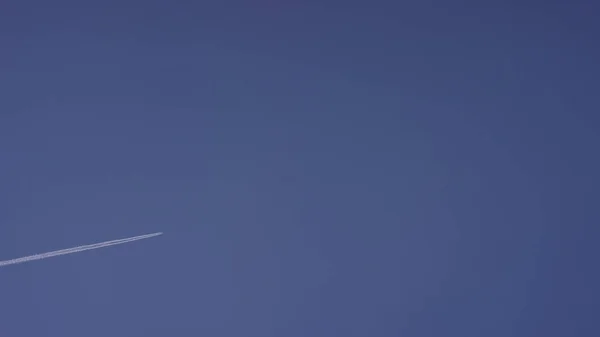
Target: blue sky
(318,168)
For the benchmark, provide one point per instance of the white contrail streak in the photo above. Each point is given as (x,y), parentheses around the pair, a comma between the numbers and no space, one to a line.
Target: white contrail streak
(76,249)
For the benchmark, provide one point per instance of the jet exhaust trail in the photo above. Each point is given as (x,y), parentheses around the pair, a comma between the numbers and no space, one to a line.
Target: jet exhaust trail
(76,249)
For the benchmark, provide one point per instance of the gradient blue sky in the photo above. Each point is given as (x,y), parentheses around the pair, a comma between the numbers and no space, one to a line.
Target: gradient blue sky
(319,168)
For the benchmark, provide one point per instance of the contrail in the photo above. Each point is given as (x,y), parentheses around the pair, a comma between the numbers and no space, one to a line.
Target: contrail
(76,249)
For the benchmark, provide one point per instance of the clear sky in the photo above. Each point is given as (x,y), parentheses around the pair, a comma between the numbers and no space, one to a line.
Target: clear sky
(319,168)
